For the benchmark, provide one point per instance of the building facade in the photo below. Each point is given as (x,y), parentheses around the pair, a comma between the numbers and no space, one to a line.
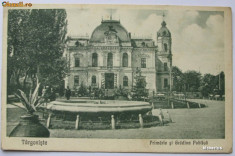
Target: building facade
(110,58)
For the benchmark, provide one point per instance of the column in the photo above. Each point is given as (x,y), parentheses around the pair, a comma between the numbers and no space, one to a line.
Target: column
(77,122)
(129,59)
(102,81)
(100,59)
(115,80)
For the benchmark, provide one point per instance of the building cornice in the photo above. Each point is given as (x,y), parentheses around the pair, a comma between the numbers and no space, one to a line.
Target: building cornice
(145,48)
(99,48)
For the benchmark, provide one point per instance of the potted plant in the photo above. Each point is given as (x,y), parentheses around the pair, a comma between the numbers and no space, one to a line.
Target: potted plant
(29,125)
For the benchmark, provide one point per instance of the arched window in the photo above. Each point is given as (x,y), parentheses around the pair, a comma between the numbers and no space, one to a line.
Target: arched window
(125,60)
(165,47)
(165,67)
(110,60)
(77,62)
(125,81)
(94,60)
(93,79)
(165,83)
(164,33)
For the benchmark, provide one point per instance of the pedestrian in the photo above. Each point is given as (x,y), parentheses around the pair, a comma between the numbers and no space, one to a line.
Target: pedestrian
(45,94)
(44,91)
(53,95)
(68,93)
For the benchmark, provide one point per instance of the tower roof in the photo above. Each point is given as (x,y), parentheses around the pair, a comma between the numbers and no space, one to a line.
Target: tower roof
(163,31)
(163,24)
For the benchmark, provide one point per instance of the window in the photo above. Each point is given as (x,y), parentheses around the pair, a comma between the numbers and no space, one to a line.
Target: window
(110,60)
(125,60)
(93,80)
(165,67)
(77,43)
(165,83)
(76,80)
(94,60)
(164,33)
(77,62)
(165,47)
(143,44)
(125,81)
(143,62)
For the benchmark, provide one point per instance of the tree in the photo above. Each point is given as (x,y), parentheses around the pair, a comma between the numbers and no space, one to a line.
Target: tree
(213,84)
(208,84)
(139,89)
(16,60)
(192,80)
(221,78)
(36,41)
(177,76)
(187,81)
(120,91)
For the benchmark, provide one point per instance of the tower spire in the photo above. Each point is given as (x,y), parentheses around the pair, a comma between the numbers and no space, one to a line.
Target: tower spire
(163,16)
(163,19)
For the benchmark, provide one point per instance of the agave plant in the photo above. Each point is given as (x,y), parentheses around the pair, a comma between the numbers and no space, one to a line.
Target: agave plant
(31,102)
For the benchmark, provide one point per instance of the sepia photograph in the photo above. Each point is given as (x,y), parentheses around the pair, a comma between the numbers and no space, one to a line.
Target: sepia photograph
(82,74)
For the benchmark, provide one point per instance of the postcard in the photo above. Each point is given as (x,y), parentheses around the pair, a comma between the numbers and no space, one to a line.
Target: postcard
(117,78)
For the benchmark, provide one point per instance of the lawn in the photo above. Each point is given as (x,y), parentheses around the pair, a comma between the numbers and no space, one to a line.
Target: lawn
(197,123)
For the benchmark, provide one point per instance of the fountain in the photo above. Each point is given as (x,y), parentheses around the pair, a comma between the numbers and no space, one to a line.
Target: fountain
(112,114)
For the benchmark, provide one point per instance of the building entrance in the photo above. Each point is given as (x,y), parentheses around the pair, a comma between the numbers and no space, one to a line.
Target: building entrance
(109,80)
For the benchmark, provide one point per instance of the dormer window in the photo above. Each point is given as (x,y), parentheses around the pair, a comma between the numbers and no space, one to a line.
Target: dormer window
(111,35)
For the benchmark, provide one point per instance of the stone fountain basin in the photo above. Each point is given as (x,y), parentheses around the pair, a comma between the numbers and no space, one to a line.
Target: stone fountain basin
(99,106)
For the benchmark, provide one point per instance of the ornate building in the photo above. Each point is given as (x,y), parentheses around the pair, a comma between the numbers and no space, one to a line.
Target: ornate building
(110,58)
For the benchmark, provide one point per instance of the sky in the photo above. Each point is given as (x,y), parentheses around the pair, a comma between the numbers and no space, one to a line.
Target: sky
(197,36)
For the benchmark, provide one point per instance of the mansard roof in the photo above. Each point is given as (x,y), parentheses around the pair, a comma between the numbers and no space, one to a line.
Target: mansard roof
(98,34)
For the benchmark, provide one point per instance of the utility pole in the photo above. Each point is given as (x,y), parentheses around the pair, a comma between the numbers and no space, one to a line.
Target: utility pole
(170,77)
(111,15)
(219,78)
(219,81)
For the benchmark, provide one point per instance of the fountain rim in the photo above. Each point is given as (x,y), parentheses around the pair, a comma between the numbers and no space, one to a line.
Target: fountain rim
(100,103)
(116,106)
